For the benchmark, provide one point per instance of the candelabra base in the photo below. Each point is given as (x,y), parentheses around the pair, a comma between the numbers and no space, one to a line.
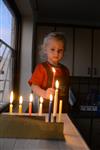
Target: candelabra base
(16,126)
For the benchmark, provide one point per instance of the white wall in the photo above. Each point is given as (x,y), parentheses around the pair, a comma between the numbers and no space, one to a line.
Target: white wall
(26,56)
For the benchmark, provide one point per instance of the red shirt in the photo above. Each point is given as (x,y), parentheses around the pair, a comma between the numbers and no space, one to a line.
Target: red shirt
(40,76)
(43,76)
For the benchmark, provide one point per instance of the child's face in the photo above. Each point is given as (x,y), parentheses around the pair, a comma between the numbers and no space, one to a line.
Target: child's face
(54,51)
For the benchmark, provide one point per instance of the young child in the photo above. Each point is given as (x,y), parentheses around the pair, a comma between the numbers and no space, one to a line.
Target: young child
(41,80)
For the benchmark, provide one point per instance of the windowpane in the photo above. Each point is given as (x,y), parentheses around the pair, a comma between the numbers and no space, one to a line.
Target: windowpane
(7,45)
(7,24)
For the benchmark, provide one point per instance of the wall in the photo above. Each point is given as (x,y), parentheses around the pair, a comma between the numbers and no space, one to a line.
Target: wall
(26,56)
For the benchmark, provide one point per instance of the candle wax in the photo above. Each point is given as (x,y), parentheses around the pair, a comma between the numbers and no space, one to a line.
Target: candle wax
(30,108)
(55,102)
(11,108)
(50,109)
(20,108)
(60,110)
(40,109)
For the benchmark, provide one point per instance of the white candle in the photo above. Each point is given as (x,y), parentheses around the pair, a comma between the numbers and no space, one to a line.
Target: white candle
(30,103)
(56,98)
(50,107)
(53,80)
(60,110)
(40,105)
(20,104)
(11,101)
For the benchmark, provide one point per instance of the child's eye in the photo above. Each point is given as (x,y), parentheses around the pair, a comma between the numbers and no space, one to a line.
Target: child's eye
(60,51)
(52,49)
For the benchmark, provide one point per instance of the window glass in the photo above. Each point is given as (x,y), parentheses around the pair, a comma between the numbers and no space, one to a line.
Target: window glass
(7,46)
(7,25)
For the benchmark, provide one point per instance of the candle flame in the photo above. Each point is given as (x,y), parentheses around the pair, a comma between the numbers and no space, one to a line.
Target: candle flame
(57,84)
(41,99)
(11,97)
(53,69)
(31,97)
(51,97)
(20,100)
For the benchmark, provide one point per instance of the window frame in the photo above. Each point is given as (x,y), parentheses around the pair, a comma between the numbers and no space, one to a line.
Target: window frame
(11,5)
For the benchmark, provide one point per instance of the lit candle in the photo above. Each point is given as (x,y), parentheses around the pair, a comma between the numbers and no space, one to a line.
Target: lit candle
(56,98)
(11,101)
(53,80)
(20,104)
(50,107)
(41,105)
(60,110)
(30,103)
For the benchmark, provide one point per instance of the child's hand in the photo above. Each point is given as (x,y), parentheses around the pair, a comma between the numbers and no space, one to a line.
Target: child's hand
(48,92)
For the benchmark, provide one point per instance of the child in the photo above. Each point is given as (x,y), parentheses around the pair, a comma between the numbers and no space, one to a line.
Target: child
(41,80)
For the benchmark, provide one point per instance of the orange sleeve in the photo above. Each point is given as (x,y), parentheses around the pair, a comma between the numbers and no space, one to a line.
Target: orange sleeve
(39,76)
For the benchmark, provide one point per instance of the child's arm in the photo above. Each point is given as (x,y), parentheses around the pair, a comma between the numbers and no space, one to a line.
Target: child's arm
(41,92)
